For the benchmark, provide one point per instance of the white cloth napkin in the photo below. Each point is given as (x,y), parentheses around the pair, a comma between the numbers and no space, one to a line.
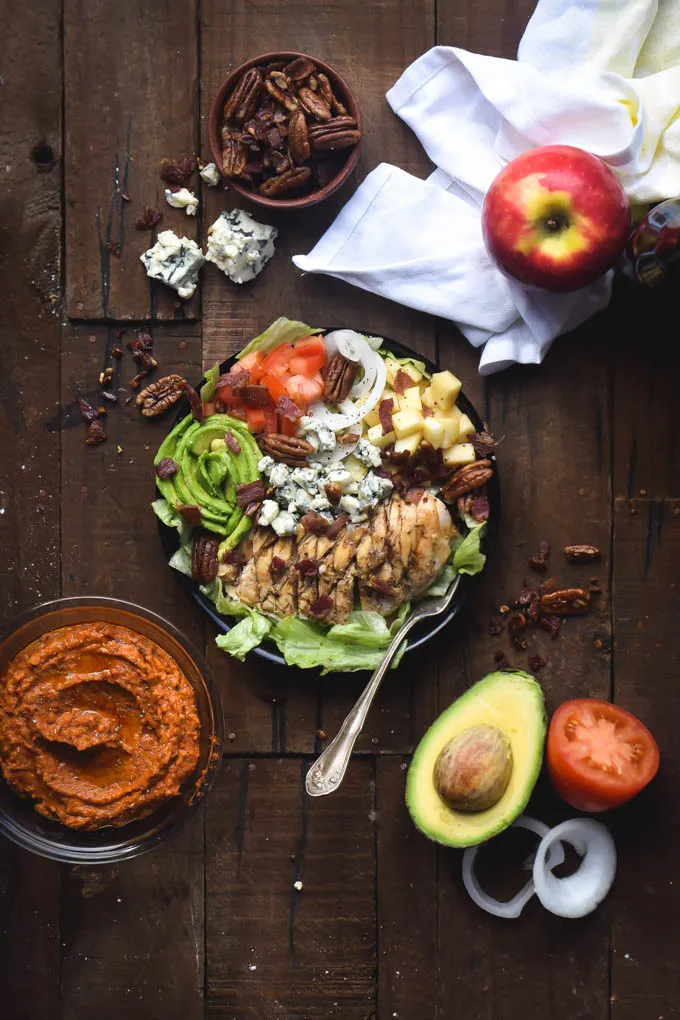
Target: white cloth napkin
(602,75)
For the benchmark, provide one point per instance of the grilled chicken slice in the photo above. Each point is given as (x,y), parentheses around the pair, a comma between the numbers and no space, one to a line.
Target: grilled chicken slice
(280,596)
(372,548)
(310,548)
(337,574)
(433,543)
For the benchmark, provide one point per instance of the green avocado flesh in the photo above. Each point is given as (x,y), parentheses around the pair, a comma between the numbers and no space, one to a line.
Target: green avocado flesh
(512,701)
(208,478)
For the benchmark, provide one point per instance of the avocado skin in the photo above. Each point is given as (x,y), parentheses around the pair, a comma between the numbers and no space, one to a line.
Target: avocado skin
(521,692)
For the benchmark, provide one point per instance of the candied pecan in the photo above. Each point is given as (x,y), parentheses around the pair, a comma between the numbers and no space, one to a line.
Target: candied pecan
(287,408)
(307,568)
(287,449)
(195,402)
(472,476)
(191,513)
(242,102)
(315,523)
(550,623)
(249,492)
(204,559)
(159,395)
(322,606)
(333,492)
(313,104)
(256,396)
(299,69)
(483,442)
(166,468)
(289,180)
(149,218)
(87,410)
(277,566)
(385,410)
(332,138)
(581,553)
(329,96)
(536,662)
(338,524)
(566,602)
(95,433)
(232,442)
(298,139)
(285,98)
(177,174)
(234,155)
(338,376)
(540,562)
(516,624)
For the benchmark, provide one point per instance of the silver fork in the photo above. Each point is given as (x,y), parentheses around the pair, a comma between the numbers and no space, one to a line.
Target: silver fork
(328,771)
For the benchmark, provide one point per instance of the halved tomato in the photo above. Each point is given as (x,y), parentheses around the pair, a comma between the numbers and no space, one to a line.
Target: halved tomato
(599,755)
(305,390)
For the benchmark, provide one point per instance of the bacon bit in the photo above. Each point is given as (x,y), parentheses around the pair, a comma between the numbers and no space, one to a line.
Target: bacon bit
(257,396)
(220,406)
(307,568)
(149,218)
(249,492)
(195,403)
(95,433)
(178,173)
(536,662)
(239,412)
(347,439)
(235,557)
(114,248)
(385,414)
(116,352)
(87,410)
(479,507)
(540,562)
(550,623)
(166,468)
(402,382)
(237,378)
(140,347)
(252,509)
(315,523)
(321,606)
(484,443)
(277,566)
(287,408)
(414,495)
(232,442)
(190,513)
(338,524)
(551,584)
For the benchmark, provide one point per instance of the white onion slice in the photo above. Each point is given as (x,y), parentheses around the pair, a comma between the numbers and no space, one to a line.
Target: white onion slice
(515,906)
(578,894)
(365,393)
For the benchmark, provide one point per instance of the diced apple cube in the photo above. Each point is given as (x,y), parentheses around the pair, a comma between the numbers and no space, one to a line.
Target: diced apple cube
(434,432)
(451,423)
(391,367)
(375,436)
(458,455)
(465,426)
(411,399)
(372,418)
(407,423)
(427,397)
(445,389)
(408,444)
(412,372)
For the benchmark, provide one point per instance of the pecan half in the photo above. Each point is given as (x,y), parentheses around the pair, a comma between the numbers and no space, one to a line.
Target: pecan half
(288,449)
(299,69)
(204,559)
(242,102)
(276,92)
(327,94)
(332,138)
(298,139)
(248,493)
(234,155)
(581,553)
(160,395)
(313,104)
(566,602)
(338,376)
(166,468)
(472,476)
(289,180)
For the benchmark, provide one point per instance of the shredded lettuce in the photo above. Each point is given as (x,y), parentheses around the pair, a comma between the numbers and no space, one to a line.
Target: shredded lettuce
(418,365)
(283,331)
(440,586)
(467,558)
(344,648)
(172,519)
(181,561)
(208,387)
(245,635)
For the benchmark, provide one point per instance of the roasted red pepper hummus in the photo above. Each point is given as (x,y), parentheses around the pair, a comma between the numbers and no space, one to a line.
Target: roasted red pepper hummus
(98,725)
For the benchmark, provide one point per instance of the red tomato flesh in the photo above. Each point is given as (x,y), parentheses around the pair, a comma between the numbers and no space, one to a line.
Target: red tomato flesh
(306,364)
(261,419)
(253,362)
(304,390)
(599,755)
(277,360)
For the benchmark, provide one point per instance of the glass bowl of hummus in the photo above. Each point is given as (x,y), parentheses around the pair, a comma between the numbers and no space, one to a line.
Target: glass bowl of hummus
(111,730)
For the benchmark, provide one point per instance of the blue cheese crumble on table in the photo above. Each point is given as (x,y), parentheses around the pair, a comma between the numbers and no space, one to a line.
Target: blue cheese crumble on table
(210,174)
(239,245)
(174,261)
(182,199)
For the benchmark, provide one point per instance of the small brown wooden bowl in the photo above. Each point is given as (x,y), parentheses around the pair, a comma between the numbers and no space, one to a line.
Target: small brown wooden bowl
(345,94)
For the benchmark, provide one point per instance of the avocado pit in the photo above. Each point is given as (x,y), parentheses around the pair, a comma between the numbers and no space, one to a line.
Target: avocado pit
(473,769)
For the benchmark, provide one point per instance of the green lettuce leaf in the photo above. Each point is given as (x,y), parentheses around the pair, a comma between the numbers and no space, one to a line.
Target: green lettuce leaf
(171,519)
(283,331)
(418,365)
(440,585)
(245,635)
(181,560)
(208,387)
(467,558)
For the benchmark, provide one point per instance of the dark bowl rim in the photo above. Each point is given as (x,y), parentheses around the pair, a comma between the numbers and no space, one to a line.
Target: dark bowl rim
(124,850)
(423,632)
(314,197)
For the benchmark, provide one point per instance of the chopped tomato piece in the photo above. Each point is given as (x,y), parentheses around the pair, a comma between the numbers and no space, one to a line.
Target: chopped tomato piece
(286,426)
(275,385)
(310,345)
(599,755)
(261,419)
(228,397)
(253,362)
(277,360)
(306,364)
(305,391)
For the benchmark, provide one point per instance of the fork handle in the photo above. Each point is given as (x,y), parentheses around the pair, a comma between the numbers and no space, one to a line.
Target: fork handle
(329,769)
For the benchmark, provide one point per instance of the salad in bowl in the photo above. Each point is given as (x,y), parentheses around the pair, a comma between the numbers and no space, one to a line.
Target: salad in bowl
(319,486)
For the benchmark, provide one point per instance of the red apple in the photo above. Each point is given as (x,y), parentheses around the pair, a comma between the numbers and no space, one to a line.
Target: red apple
(555,217)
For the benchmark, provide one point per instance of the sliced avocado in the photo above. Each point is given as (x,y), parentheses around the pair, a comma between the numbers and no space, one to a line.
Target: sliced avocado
(511,701)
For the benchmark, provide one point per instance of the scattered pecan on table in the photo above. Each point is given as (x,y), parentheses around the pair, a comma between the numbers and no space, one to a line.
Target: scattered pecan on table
(283,125)
(582,553)
(204,559)
(160,395)
(141,347)
(288,449)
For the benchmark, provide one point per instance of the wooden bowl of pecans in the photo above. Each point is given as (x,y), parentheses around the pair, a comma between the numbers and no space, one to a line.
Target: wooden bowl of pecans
(285,130)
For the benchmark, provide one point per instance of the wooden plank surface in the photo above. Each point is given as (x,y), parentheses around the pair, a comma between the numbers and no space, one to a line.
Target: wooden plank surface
(30,230)
(131,89)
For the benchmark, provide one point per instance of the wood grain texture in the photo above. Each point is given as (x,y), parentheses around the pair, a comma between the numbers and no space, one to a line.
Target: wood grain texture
(30,267)
(492,27)
(274,951)
(646,895)
(131,90)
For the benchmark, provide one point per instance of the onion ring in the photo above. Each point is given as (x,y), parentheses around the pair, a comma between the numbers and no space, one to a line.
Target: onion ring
(515,906)
(578,894)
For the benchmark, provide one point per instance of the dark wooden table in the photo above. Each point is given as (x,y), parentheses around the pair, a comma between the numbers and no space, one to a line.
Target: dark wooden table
(93,95)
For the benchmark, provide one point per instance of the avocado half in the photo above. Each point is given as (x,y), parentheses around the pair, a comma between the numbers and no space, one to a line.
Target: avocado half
(511,700)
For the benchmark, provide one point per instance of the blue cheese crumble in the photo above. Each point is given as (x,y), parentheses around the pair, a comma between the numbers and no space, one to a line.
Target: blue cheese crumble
(182,199)
(367,453)
(174,261)
(268,511)
(239,245)
(211,175)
